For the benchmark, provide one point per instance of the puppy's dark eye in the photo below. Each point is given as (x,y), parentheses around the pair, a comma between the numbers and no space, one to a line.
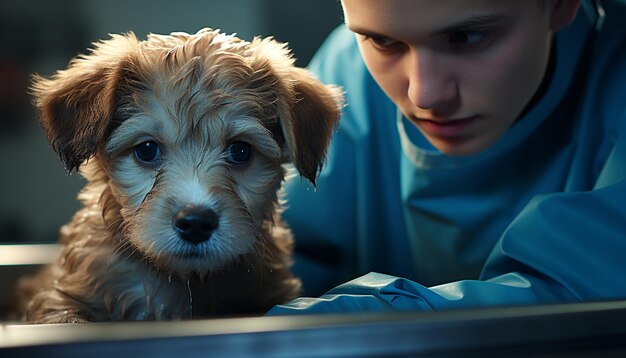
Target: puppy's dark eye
(238,153)
(148,152)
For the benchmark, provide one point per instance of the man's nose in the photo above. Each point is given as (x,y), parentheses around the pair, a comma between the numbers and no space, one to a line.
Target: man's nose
(432,85)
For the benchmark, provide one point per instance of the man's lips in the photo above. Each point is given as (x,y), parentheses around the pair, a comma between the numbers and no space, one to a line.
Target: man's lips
(445,127)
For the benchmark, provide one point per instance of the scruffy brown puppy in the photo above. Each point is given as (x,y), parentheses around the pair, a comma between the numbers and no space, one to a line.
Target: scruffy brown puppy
(182,139)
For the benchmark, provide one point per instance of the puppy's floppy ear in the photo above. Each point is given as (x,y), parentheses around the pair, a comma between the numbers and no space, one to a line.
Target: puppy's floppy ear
(312,120)
(76,105)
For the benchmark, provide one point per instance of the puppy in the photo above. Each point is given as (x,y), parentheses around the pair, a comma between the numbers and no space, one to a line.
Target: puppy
(182,139)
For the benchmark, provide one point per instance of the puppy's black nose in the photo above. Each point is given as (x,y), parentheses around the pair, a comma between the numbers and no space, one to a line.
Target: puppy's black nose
(195,224)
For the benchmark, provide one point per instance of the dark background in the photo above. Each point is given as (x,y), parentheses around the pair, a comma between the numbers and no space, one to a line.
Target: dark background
(40,36)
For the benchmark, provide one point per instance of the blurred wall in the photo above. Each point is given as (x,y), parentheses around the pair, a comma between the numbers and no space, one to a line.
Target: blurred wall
(40,36)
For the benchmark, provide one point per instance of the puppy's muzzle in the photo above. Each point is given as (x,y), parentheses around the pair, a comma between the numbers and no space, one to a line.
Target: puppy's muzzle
(195,224)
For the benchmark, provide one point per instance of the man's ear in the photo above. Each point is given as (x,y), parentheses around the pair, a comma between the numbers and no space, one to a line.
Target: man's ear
(76,105)
(310,122)
(563,13)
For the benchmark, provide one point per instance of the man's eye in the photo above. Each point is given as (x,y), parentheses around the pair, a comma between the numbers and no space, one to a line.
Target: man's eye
(148,152)
(381,42)
(238,152)
(469,40)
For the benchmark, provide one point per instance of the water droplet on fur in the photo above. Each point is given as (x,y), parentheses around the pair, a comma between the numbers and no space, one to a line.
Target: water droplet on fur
(248,270)
(66,312)
(190,298)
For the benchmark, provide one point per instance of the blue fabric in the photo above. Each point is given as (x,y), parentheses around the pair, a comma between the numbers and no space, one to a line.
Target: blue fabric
(540,217)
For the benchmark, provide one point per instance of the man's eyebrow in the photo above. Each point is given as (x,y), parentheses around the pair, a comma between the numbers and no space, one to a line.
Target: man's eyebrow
(364,32)
(462,25)
(471,23)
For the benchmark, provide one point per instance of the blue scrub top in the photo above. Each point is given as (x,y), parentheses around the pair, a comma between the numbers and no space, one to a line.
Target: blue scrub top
(539,217)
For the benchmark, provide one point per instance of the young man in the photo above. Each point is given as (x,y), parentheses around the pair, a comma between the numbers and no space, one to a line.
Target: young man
(480,160)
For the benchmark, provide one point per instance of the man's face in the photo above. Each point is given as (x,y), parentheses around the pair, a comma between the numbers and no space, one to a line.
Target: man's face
(461,71)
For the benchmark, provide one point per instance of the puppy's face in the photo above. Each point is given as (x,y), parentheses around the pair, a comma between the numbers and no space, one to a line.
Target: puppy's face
(191,131)
(194,184)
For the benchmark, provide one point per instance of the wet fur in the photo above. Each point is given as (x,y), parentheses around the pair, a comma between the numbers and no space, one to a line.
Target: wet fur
(193,94)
